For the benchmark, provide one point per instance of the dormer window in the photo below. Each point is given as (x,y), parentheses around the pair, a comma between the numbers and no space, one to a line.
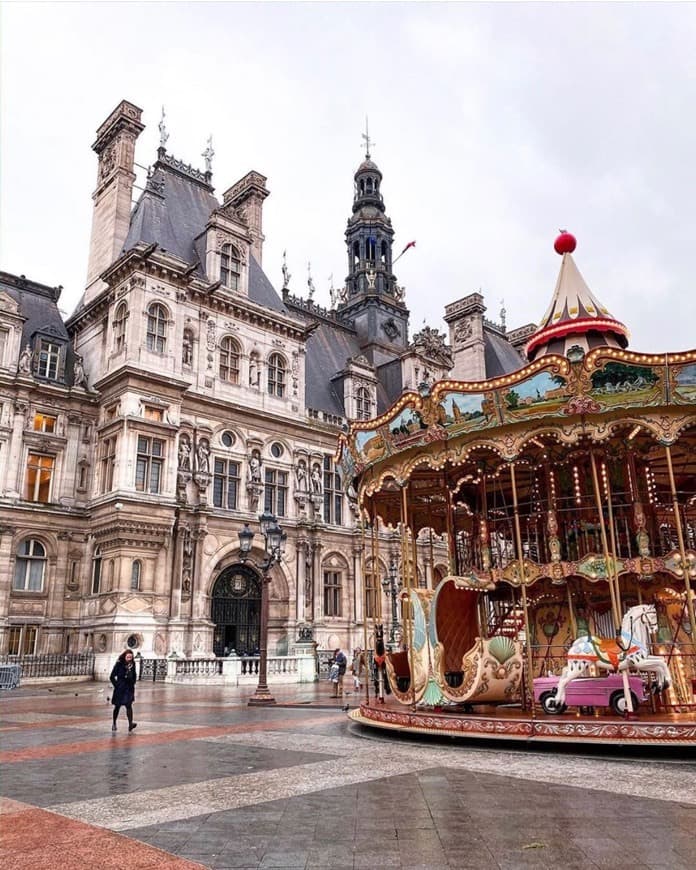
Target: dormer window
(276,375)
(362,404)
(49,357)
(120,327)
(230,267)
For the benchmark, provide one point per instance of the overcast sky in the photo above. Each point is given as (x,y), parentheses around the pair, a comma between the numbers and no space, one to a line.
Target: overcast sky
(495,125)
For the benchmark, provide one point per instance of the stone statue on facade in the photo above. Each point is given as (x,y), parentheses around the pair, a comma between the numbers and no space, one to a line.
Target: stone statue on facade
(301,476)
(163,130)
(203,456)
(208,154)
(79,374)
(24,364)
(254,470)
(317,487)
(286,272)
(184,453)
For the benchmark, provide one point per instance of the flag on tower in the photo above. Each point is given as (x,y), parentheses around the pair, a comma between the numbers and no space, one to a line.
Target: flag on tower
(409,245)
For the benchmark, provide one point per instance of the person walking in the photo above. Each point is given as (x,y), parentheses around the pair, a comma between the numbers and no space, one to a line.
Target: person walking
(357,667)
(123,679)
(342,662)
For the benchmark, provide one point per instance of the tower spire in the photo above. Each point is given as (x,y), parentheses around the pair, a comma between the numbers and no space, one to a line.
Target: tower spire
(366,137)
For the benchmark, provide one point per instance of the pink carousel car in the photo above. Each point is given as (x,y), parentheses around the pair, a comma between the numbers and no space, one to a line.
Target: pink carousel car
(591,692)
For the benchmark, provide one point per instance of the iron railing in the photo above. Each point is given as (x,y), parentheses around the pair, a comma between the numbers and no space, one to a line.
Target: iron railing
(53,664)
(154,670)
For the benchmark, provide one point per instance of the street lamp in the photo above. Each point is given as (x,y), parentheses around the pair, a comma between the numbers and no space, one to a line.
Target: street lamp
(275,539)
(392,587)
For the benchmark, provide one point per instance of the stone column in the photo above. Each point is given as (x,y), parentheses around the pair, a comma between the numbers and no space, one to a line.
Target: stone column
(318,582)
(301,602)
(14,468)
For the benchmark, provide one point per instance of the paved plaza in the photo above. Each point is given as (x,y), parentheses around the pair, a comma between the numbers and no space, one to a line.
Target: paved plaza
(205,781)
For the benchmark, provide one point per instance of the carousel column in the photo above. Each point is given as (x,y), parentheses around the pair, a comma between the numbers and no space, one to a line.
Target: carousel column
(366,608)
(686,565)
(640,521)
(408,615)
(610,561)
(523,585)
(451,543)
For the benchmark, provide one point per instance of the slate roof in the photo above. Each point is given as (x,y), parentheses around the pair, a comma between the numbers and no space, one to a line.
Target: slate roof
(500,356)
(39,304)
(173,212)
(328,348)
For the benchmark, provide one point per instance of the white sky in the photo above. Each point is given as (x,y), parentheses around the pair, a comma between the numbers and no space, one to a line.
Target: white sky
(495,125)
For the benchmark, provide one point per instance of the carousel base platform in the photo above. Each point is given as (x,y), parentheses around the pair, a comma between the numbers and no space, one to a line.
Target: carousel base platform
(513,724)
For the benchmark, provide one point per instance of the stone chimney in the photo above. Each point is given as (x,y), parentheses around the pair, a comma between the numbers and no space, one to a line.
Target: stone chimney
(465,319)
(246,197)
(115,148)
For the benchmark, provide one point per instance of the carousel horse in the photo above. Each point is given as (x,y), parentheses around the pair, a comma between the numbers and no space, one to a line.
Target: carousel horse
(380,671)
(629,651)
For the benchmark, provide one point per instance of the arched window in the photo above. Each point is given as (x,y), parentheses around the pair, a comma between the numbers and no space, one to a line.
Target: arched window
(369,185)
(276,375)
(120,318)
(363,404)
(30,566)
(230,267)
(157,320)
(135,575)
(356,253)
(229,360)
(96,570)
(384,253)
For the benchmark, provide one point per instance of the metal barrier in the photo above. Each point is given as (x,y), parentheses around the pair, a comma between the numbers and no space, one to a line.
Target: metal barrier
(153,669)
(53,665)
(10,676)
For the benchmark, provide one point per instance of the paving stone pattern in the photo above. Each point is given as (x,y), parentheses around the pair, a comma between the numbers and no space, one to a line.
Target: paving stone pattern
(206,781)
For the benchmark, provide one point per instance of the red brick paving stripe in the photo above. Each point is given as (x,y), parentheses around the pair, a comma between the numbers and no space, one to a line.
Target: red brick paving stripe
(123,738)
(34,839)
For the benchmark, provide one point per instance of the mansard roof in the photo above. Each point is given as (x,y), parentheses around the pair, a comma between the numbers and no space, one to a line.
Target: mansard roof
(173,211)
(500,356)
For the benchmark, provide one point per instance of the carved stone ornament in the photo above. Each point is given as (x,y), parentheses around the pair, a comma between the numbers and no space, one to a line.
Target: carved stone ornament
(391,330)
(210,334)
(463,331)
(108,162)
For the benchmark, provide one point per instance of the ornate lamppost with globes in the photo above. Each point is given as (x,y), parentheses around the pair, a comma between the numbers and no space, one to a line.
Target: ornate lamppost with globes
(275,539)
(392,587)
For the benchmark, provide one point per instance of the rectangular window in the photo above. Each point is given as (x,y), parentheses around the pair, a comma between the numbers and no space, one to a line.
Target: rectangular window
(371,596)
(149,464)
(225,484)
(22,640)
(44,423)
(276,492)
(156,414)
(332,593)
(15,640)
(107,464)
(39,478)
(4,339)
(49,357)
(333,496)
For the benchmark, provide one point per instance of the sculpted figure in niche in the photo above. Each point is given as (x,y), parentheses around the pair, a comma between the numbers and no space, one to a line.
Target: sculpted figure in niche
(301,476)
(187,349)
(203,454)
(24,364)
(316,479)
(185,453)
(254,471)
(254,372)
(79,375)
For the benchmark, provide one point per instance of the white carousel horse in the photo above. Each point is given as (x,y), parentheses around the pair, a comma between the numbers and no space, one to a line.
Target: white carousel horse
(629,651)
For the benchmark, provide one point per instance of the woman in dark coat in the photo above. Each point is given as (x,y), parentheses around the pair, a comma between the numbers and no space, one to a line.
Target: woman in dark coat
(123,679)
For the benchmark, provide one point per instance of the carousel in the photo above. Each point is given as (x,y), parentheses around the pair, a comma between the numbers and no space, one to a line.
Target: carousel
(564,495)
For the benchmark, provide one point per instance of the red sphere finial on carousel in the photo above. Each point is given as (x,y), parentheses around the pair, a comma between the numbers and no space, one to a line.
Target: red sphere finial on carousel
(565,243)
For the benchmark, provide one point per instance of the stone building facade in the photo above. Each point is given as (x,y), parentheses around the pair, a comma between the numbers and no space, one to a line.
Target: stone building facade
(184,396)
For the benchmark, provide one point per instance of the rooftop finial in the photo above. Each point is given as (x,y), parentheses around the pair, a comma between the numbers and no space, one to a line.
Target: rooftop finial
(310,282)
(163,130)
(286,272)
(208,154)
(366,137)
(503,312)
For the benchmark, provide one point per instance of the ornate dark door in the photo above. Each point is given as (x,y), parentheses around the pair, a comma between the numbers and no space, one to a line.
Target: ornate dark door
(236,611)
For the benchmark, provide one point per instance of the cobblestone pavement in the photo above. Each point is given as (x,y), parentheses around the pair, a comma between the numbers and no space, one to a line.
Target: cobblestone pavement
(205,781)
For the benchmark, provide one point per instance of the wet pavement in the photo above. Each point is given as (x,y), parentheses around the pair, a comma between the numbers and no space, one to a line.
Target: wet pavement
(205,781)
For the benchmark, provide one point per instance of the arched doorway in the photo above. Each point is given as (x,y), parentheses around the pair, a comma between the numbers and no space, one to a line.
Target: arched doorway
(236,610)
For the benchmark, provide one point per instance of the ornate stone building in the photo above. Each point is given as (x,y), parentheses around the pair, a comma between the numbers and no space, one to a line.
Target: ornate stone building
(184,396)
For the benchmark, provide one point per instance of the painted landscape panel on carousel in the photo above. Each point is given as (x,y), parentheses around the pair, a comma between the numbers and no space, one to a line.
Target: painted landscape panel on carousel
(407,428)
(371,444)
(685,384)
(620,385)
(537,396)
(462,412)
